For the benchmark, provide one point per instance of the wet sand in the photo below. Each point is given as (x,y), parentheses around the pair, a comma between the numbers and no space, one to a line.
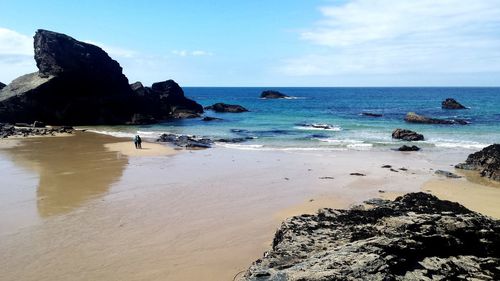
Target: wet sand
(82,209)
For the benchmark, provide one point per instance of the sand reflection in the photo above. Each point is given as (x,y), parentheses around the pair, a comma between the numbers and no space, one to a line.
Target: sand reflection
(85,170)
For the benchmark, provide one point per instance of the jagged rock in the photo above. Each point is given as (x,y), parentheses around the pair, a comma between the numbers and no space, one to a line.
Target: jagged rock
(450,103)
(409,148)
(371,114)
(79,84)
(186,141)
(412,117)
(270,94)
(2,85)
(447,174)
(486,161)
(224,107)
(415,237)
(407,135)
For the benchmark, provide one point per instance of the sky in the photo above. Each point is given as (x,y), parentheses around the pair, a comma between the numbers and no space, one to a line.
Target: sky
(271,42)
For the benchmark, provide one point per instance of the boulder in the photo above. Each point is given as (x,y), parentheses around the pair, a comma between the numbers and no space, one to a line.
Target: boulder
(450,103)
(412,117)
(79,84)
(270,94)
(415,237)
(371,114)
(486,161)
(191,142)
(223,107)
(2,85)
(209,118)
(407,135)
(409,148)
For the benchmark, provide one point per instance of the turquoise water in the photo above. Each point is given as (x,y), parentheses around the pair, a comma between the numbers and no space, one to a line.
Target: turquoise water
(276,124)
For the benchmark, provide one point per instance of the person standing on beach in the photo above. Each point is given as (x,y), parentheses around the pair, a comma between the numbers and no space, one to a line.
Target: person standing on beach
(137,142)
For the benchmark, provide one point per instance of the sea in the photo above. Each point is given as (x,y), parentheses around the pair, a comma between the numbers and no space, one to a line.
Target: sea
(332,119)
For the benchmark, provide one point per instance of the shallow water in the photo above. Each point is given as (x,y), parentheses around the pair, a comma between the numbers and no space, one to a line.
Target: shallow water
(278,124)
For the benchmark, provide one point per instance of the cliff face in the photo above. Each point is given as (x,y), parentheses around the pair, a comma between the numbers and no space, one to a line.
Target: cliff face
(415,237)
(79,84)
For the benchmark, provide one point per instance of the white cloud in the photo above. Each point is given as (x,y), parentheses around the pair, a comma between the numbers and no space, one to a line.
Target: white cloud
(195,53)
(402,36)
(16,55)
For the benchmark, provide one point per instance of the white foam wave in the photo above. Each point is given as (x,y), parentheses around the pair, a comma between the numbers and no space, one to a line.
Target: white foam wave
(463,144)
(114,133)
(319,127)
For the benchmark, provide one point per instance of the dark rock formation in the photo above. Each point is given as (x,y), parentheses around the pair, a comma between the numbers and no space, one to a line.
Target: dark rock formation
(447,174)
(165,100)
(415,237)
(409,148)
(2,85)
(192,142)
(357,174)
(370,114)
(79,84)
(407,135)
(412,117)
(36,129)
(209,118)
(450,103)
(486,161)
(270,94)
(224,107)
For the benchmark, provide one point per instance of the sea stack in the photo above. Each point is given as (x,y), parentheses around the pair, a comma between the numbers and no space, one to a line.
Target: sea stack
(270,94)
(450,103)
(78,84)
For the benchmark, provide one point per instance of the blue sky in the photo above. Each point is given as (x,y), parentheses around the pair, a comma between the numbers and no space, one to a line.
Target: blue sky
(272,43)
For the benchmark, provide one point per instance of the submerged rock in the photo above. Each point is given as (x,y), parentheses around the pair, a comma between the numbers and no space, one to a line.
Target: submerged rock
(409,148)
(79,84)
(450,103)
(447,174)
(407,135)
(412,117)
(415,237)
(224,107)
(371,114)
(270,94)
(486,161)
(208,118)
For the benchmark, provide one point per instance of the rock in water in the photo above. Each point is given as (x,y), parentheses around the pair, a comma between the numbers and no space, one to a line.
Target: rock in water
(450,103)
(415,237)
(407,135)
(2,85)
(79,84)
(270,94)
(412,117)
(224,107)
(371,114)
(409,148)
(486,161)
(447,174)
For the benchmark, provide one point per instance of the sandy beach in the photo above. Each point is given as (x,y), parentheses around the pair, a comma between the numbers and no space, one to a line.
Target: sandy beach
(91,207)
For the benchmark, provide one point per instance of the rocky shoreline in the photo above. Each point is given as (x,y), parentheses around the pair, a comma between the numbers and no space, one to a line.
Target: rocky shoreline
(415,237)
(9,130)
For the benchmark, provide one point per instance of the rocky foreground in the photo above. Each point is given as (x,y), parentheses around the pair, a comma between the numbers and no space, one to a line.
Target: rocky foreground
(9,130)
(486,161)
(415,237)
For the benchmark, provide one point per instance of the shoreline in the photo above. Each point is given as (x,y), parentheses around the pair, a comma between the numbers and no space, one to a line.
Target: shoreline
(182,215)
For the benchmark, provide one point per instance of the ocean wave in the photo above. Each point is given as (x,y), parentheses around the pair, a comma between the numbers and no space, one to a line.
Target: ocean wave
(460,144)
(318,127)
(113,133)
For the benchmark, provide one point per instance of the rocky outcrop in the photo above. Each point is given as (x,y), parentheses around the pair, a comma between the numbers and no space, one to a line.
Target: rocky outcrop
(412,117)
(415,237)
(34,130)
(2,85)
(371,114)
(486,161)
(450,103)
(165,100)
(270,94)
(409,148)
(79,84)
(185,141)
(447,174)
(224,107)
(407,135)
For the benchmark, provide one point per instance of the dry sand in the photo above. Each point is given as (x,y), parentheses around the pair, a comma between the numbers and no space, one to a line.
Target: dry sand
(86,208)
